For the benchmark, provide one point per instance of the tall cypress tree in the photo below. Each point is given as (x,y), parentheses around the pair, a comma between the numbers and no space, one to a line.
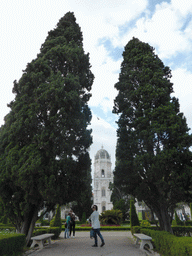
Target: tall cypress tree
(153,157)
(45,139)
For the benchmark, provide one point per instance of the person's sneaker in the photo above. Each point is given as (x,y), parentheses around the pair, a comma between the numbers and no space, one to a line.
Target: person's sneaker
(94,245)
(102,244)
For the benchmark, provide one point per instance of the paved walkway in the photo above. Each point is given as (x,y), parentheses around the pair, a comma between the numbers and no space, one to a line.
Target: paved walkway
(116,244)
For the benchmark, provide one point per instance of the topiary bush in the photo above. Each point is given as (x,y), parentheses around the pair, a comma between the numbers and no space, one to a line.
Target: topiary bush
(56,221)
(134,221)
(111,217)
(83,220)
(177,221)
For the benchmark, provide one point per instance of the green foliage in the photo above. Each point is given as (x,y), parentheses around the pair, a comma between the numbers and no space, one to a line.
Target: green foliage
(40,231)
(122,205)
(168,244)
(145,223)
(153,160)
(111,217)
(83,220)
(45,139)
(191,209)
(134,221)
(4,220)
(1,208)
(56,221)
(182,230)
(83,200)
(177,220)
(11,244)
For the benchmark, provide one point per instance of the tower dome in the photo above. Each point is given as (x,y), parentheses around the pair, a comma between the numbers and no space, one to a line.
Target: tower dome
(102,154)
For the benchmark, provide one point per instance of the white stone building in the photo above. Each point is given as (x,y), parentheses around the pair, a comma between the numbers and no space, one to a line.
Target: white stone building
(103,175)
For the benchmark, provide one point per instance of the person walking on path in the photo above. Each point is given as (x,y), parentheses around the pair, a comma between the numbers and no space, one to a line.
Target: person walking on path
(68,219)
(72,224)
(96,226)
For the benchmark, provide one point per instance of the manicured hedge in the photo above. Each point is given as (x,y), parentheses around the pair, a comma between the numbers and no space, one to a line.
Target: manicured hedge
(43,230)
(168,244)
(11,244)
(182,230)
(103,228)
(9,227)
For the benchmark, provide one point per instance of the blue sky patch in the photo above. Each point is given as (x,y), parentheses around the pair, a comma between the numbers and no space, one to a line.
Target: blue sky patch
(114,52)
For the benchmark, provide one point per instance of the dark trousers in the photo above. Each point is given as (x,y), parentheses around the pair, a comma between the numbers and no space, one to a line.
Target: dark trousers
(72,228)
(97,233)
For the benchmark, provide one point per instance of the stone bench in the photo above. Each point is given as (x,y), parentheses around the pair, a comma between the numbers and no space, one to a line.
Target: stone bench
(144,240)
(39,240)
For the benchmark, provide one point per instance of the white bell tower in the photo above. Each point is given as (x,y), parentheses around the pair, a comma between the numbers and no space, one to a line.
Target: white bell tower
(102,177)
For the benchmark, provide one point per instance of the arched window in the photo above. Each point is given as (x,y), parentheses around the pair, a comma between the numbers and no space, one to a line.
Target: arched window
(102,173)
(103,208)
(103,191)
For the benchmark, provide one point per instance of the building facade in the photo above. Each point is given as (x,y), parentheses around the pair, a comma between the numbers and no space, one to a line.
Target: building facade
(103,175)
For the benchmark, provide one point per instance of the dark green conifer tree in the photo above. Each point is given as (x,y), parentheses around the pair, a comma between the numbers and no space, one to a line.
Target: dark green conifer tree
(45,139)
(153,160)
(134,221)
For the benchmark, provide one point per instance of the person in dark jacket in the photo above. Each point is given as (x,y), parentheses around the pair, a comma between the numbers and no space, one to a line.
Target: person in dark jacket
(72,224)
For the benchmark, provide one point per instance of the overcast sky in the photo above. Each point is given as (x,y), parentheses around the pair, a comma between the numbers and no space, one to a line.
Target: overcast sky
(107,26)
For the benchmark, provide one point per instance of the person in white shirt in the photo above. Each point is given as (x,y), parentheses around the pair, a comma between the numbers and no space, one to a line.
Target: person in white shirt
(96,226)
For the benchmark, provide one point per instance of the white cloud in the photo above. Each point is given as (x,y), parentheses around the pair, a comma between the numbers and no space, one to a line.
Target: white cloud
(183,7)
(25,25)
(182,80)
(103,135)
(162,31)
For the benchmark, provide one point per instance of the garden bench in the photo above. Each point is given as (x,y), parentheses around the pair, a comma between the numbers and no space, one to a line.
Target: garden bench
(144,240)
(41,239)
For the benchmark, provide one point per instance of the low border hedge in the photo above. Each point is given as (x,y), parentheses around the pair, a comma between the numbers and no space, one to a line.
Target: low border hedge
(103,228)
(44,230)
(11,244)
(168,244)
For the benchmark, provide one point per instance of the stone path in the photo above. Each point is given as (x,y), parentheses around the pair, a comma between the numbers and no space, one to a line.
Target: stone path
(116,244)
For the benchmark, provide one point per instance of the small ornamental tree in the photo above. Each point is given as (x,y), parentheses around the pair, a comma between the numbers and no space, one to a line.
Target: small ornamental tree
(110,217)
(177,220)
(122,205)
(134,221)
(56,221)
(83,220)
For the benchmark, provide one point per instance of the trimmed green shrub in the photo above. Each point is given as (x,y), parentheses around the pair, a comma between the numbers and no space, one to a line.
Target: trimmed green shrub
(83,220)
(4,220)
(134,221)
(55,230)
(177,220)
(11,244)
(41,231)
(111,217)
(104,228)
(56,221)
(145,223)
(182,230)
(188,223)
(168,244)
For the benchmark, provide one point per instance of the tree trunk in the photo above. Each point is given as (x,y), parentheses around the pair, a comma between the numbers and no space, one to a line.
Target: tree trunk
(164,219)
(27,226)
(32,225)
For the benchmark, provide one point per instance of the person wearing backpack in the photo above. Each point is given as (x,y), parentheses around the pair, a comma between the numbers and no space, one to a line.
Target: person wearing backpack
(72,224)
